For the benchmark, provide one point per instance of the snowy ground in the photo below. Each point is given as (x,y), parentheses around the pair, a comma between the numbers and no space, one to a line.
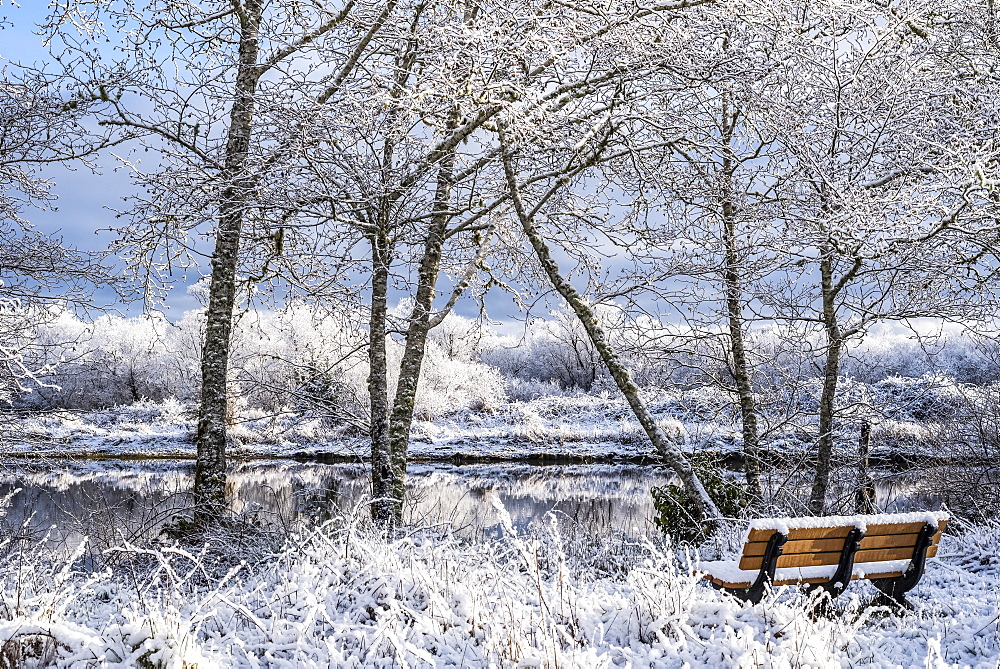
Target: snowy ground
(581,427)
(336,597)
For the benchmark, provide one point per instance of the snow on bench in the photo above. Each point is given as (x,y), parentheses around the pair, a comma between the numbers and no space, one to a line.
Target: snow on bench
(830,551)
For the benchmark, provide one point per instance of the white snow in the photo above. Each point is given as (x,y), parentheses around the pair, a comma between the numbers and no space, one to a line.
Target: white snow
(574,426)
(577,426)
(729,571)
(338,598)
(861,522)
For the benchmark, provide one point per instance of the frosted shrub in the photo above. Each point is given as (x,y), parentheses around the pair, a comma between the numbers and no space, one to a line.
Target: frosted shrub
(448,385)
(970,480)
(899,433)
(462,338)
(673,429)
(928,398)
(146,412)
(528,424)
(886,351)
(520,390)
(110,361)
(952,351)
(703,403)
(555,350)
(980,546)
(332,394)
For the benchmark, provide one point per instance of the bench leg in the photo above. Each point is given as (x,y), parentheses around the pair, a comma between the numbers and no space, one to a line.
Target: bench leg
(845,568)
(896,588)
(755,592)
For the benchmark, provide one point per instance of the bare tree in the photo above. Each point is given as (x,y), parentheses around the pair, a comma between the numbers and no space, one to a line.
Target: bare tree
(411,167)
(714,241)
(705,507)
(871,202)
(214,78)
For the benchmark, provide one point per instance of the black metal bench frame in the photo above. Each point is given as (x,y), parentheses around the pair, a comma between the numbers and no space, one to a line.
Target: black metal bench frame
(895,587)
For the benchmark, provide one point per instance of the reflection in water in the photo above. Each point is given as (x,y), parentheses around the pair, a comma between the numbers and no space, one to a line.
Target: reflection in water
(116,502)
(895,492)
(109,503)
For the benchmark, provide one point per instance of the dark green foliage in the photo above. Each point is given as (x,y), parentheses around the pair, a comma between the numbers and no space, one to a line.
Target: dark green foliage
(675,510)
(321,391)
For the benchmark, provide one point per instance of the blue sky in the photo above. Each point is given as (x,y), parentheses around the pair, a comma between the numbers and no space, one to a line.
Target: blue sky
(83,212)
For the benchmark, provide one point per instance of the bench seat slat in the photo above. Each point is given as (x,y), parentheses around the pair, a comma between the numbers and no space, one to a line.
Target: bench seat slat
(726,573)
(833,558)
(830,545)
(885,554)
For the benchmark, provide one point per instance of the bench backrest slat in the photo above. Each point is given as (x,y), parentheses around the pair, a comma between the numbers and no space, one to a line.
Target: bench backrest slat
(814,546)
(841,531)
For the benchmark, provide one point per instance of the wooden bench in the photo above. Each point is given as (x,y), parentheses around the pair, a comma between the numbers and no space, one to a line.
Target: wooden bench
(828,552)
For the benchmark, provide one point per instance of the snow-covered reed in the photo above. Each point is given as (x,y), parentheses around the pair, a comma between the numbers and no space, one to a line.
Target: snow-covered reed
(339,596)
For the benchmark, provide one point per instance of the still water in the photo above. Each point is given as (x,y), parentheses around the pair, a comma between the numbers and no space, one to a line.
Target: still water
(113,502)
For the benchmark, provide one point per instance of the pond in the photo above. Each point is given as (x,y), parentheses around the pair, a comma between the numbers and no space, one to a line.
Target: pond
(112,502)
(115,501)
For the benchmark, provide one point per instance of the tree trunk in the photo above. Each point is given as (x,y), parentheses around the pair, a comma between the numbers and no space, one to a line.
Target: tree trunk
(865,493)
(831,373)
(210,472)
(383,506)
(734,309)
(401,418)
(706,509)
(378,384)
(741,374)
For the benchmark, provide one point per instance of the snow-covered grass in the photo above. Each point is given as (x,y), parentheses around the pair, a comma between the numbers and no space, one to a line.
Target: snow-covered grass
(337,596)
(571,424)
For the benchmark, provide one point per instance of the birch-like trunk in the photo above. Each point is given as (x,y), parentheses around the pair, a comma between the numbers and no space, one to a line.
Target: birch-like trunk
(741,367)
(865,495)
(733,289)
(378,380)
(831,374)
(382,505)
(210,472)
(401,416)
(705,508)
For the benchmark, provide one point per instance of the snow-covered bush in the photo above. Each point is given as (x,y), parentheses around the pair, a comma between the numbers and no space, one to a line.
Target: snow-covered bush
(554,350)
(461,338)
(294,359)
(889,351)
(113,361)
(704,403)
(969,480)
(32,341)
(901,433)
(931,397)
(451,384)
(520,390)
